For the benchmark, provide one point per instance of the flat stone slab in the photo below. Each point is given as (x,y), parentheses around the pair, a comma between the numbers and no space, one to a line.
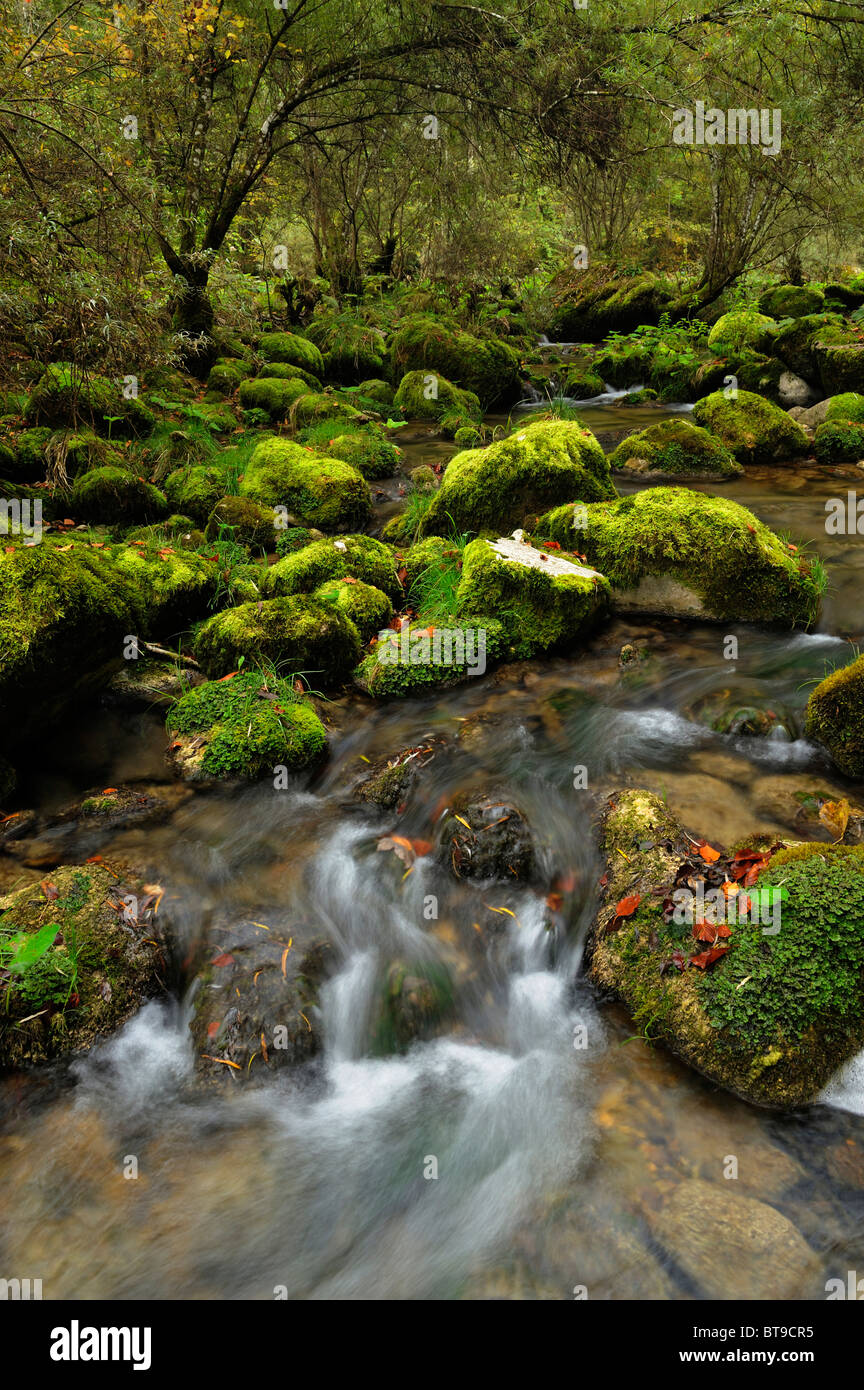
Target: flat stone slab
(528,555)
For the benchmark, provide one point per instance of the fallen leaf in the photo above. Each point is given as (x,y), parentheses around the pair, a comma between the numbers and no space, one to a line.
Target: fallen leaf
(834,815)
(223,1061)
(706,958)
(628,906)
(224,959)
(708,854)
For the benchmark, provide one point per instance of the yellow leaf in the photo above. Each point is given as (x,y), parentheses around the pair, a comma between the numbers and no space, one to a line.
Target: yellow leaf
(834,815)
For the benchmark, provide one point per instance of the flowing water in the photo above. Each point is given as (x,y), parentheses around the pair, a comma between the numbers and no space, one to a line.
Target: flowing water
(499,1159)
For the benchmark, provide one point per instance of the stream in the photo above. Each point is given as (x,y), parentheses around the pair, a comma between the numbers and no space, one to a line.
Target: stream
(501,1159)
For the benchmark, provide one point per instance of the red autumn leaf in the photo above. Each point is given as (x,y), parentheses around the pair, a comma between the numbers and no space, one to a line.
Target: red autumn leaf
(723,931)
(50,890)
(402,574)
(213,1028)
(421,847)
(604,880)
(554,902)
(708,854)
(704,931)
(224,959)
(94,859)
(706,958)
(109,791)
(678,958)
(566,883)
(628,906)
(551,545)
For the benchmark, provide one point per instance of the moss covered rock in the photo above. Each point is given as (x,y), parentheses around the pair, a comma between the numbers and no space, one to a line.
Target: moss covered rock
(543,598)
(369,609)
(743,329)
(271,394)
(226,374)
(284,371)
(674,551)
(376,389)
(366,450)
(85,978)
(421,658)
(841,365)
(674,448)
(244,521)
(849,405)
(753,429)
(791,301)
(195,491)
(796,343)
(580,384)
(352,349)
(357,557)
(30,460)
(297,634)
(839,441)
(600,301)
(115,495)
(429,396)
(781,1006)
(835,716)
(66,396)
(485,366)
(321,492)
(243,728)
(292,348)
(497,487)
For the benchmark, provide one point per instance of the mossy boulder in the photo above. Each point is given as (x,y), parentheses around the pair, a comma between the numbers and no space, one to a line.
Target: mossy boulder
(315,407)
(839,441)
(377,389)
(841,365)
(367,451)
(271,394)
(791,301)
(543,598)
(429,396)
(317,491)
(66,396)
(243,728)
(285,371)
(170,587)
(244,521)
(195,491)
(624,364)
(107,956)
(743,329)
(297,634)
(487,367)
(433,553)
(419,658)
(30,459)
(600,301)
(781,1005)
(674,448)
(753,429)
(352,349)
(226,374)
(849,405)
(292,348)
(115,495)
(673,551)
(496,488)
(369,609)
(796,343)
(355,557)
(835,716)
(580,383)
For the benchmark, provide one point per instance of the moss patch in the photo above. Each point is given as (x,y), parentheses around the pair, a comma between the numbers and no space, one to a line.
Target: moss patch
(674,448)
(297,634)
(753,429)
(359,557)
(321,492)
(835,716)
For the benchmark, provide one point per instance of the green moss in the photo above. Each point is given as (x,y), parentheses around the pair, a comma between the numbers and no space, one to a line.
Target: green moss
(285,371)
(292,539)
(795,344)
(297,634)
(403,666)
(835,716)
(715,548)
(753,429)
(244,728)
(359,557)
(89,981)
(841,366)
(538,609)
(581,384)
(352,348)
(376,389)
(849,405)
(429,396)
(195,491)
(30,461)
(743,329)
(624,364)
(485,366)
(369,609)
(366,449)
(272,395)
(317,406)
(226,374)
(839,441)
(111,495)
(244,521)
(596,302)
(292,348)
(169,587)
(65,396)
(496,488)
(321,492)
(677,448)
(791,301)
(432,553)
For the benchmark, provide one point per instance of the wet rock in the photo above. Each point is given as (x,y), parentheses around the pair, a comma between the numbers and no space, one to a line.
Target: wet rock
(793,390)
(734,1247)
(255,1002)
(416,997)
(794,801)
(835,716)
(96,950)
(390,779)
(487,838)
(845,1164)
(146,682)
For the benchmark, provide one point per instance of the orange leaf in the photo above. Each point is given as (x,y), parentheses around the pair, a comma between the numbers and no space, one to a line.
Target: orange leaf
(213,1028)
(628,906)
(224,959)
(708,854)
(223,1061)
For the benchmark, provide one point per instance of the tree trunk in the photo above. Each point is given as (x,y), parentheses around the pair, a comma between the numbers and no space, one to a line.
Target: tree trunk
(192,315)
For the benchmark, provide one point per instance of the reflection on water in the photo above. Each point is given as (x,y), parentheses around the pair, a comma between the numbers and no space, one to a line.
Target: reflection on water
(500,1158)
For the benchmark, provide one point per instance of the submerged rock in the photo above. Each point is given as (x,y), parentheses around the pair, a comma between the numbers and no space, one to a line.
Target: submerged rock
(679,553)
(487,838)
(753,429)
(496,488)
(767,1001)
(542,598)
(95,953)
(835,716)
(674,448)
(243,728)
